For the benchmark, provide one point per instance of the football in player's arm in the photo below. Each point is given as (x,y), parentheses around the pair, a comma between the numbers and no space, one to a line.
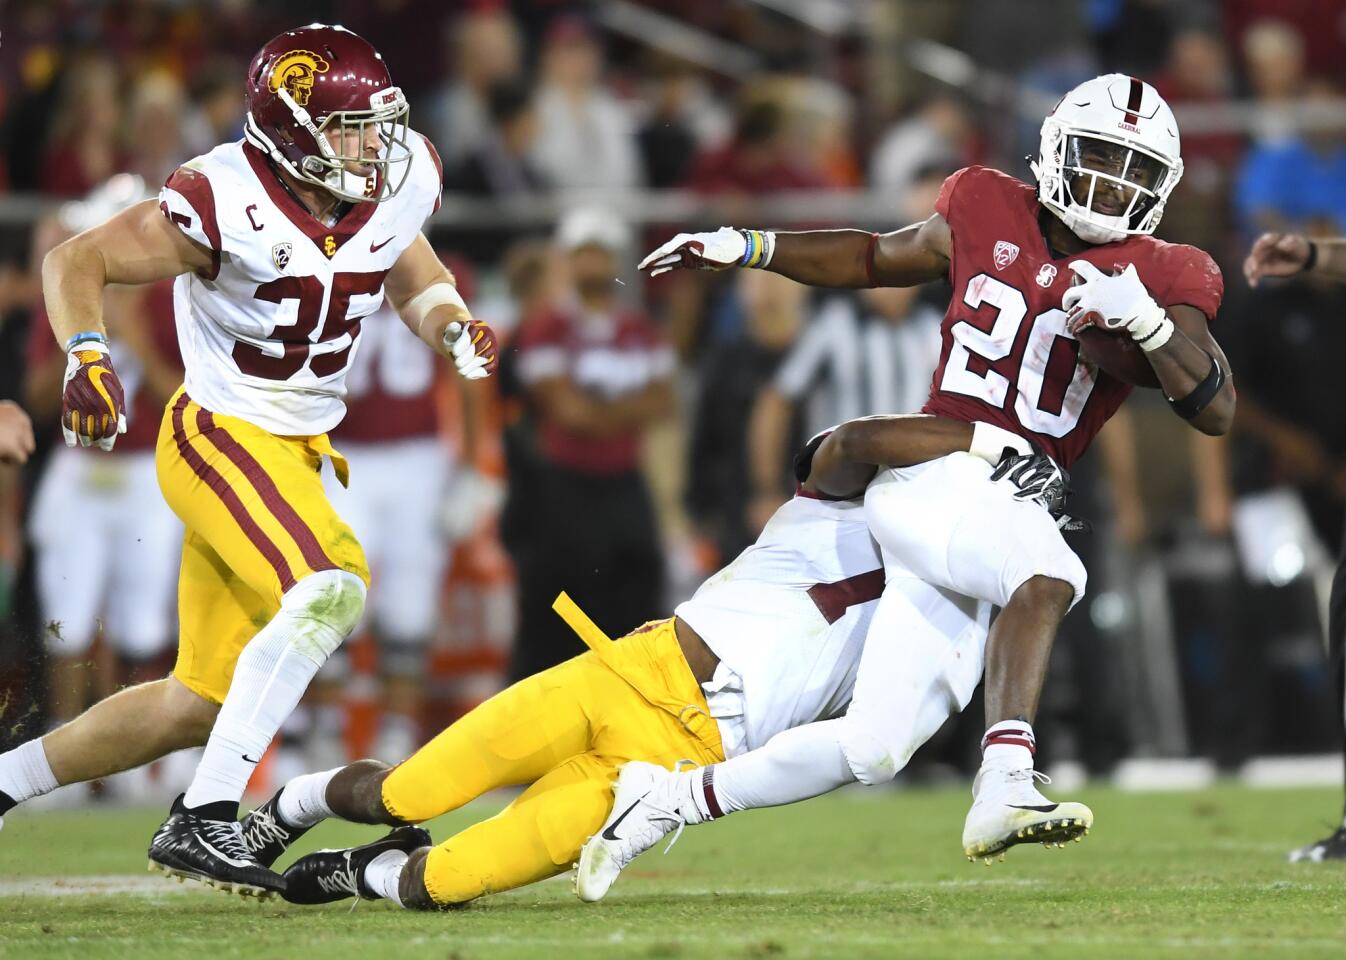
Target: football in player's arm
(1176,338)
(140,245)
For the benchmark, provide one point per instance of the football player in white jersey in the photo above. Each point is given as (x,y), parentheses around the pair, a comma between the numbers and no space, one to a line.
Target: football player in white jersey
(770,643)
(280,244)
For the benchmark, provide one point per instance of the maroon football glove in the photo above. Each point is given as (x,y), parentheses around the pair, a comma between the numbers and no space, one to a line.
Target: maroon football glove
(93,404)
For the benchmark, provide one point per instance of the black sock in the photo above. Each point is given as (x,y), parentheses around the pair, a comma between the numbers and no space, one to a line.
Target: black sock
(226,810)
(7,803)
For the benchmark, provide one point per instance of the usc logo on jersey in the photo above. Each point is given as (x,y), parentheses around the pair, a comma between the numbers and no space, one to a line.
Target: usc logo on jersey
(295,72)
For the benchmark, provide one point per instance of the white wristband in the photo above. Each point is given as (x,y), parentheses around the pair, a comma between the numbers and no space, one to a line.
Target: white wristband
(989,442)
(435,295)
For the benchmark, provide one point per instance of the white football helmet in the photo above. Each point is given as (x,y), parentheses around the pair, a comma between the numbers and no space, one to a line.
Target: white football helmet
(1109,158)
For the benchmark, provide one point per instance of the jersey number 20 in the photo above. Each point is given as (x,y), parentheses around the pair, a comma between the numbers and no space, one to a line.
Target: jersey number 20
(1051,387)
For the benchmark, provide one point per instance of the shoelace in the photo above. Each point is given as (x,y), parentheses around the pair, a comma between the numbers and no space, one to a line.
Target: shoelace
(341,880)
(1028,773)
(264,829)
(226,837)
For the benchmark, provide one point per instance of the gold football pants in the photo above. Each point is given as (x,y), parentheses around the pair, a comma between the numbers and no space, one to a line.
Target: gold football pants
(565,731)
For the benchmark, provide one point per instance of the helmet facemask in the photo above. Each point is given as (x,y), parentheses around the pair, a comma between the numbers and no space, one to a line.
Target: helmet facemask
(1103,187)
(331,168)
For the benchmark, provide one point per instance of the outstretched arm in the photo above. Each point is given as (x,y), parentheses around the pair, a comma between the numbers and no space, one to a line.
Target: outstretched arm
(1286,254)
(850,455)
(822,258)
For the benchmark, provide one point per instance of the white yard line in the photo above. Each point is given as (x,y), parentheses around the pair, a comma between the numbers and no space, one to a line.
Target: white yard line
(123,884)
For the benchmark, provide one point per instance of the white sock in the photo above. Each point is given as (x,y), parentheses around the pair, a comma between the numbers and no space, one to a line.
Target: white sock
(268,683)
(303,801)
(383,876)
(793,765)
(25,772)
(1009,744)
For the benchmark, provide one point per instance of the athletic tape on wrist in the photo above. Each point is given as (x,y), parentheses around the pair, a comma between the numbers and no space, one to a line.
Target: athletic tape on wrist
(435,295)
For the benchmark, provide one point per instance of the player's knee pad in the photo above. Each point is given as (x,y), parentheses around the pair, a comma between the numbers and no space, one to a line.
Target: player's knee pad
(869,755)
(323,609)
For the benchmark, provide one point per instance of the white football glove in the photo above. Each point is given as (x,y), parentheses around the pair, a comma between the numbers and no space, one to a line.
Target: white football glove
(473,348)
(724,248)
(470,498)
(1116,303)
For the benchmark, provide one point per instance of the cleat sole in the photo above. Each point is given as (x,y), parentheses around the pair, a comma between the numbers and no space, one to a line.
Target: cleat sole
(242,889)
(1052,834)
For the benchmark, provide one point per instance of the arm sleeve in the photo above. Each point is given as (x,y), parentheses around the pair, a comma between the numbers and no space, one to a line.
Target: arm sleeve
(188,201)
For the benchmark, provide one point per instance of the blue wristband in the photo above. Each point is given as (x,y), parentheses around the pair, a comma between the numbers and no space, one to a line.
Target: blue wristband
(81,337)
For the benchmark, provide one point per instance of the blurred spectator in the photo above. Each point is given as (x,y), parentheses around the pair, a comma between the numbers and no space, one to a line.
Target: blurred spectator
(821,118)
(1273,55)
(84,143)
(402,471)
(938,134)
(485,52)
(758,159)
(1289,181)
(154,145)
(501,165)
(1198,73)
(16,434)
(587,138)
(1318,25)
(216,113)
(732,375)
(666,139)
(597,374)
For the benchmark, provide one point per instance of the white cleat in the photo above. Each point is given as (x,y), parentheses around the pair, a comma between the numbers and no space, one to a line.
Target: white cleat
(1007,809)
(644,811)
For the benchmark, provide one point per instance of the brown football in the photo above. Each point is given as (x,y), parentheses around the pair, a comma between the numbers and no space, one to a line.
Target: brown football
(1118,354)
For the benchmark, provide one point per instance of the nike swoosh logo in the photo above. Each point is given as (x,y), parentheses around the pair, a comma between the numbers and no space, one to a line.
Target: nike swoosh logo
(96,375)
(1043,808)
(608,831)
(226,859)
(376,247)
(248,758)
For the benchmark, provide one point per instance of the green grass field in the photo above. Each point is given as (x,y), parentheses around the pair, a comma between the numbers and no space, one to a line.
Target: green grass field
(860,874)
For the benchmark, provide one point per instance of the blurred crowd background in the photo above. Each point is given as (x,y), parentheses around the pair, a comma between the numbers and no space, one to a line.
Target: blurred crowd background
(640,431)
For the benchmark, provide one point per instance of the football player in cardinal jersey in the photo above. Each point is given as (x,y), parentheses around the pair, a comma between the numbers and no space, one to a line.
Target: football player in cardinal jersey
(280,244)
(1030,268)
(769,643)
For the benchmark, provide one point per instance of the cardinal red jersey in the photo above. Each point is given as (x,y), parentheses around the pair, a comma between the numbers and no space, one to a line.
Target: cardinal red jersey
(390,385)
(143,409)
(1007,357)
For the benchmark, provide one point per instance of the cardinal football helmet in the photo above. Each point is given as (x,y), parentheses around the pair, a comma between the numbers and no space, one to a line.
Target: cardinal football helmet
(1117,133)
(306,82)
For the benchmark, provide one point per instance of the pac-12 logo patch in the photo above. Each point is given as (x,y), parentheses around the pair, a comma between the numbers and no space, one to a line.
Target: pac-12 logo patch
(1004,254)
(280,255)
(1046,275)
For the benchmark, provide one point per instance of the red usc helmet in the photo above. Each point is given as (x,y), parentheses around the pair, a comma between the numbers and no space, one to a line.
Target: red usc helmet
(308,82)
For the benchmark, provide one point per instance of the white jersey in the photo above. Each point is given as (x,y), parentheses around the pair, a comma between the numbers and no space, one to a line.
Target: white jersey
(268,333)
(788,620)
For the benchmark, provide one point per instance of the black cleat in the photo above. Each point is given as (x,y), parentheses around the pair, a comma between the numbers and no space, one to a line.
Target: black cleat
(1330,848)
(331,875)
(191,847)
(267,835)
